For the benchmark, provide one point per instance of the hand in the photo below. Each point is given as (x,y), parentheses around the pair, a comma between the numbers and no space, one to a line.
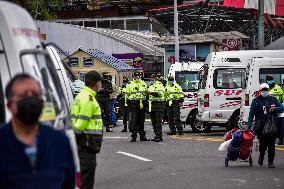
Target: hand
(272,109)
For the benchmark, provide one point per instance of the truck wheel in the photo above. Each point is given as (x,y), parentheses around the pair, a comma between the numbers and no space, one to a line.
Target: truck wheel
(197,126)
(233,121)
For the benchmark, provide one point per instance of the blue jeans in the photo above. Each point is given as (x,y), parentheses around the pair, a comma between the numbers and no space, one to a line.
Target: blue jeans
(112,113)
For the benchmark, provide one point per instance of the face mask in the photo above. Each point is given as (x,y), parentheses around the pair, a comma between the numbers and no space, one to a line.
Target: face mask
(264,93)
(29,110)
(170,82)
(270,82)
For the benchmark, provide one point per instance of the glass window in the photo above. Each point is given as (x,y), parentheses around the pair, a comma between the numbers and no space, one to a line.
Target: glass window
(88,61)
(276,73)
(90,24)
(103,23)
(74,62)
(229,78)
(188,80)
(132,25)
(117,24)
(2,104)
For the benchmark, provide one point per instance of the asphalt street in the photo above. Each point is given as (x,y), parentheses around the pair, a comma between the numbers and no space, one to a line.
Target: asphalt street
(190,161)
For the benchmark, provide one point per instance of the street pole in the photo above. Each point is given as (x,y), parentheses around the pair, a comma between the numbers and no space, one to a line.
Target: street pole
(176,32)
(260,24)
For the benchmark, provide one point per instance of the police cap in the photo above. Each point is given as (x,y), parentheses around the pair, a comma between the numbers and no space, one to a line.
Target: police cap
(137,74)
(171,78)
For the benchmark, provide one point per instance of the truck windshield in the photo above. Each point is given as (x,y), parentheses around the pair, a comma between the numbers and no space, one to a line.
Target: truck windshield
(188,80)
(38,64)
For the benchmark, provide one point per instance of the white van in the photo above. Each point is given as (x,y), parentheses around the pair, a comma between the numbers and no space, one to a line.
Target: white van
(222,79)
(21,51)
(257,71)
(187,76)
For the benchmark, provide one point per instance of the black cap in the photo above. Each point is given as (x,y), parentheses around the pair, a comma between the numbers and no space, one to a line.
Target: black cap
(171,78)
(137,74)
(93,76)
(269,77)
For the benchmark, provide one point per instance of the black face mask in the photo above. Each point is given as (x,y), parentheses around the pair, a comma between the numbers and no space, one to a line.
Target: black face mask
(29,110)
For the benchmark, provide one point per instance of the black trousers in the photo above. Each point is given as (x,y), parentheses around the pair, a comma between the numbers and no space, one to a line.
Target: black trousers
(124,113)
(264,144)
(88,163)
(156,118)
(105,112)
(137,119)
(174,118)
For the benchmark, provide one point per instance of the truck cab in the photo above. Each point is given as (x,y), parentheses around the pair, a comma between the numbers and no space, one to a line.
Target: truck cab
(187,76)
(257,71)
(222,80)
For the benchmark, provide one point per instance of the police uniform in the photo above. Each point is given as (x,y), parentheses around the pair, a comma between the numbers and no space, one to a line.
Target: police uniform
(123,104)
(156,107)
(88,126)
(174,96)
(103,98)
(136,96)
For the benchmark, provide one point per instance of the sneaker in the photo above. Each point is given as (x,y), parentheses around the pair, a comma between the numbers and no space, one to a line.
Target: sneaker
(124,130)
(270,165)
(133,140)
(171,133)
(144,139)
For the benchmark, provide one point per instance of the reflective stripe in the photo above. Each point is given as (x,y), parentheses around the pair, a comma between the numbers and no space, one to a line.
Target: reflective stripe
(176,92)
(137,92)
(156,99)
(87,118)
(89,131)
(136,98)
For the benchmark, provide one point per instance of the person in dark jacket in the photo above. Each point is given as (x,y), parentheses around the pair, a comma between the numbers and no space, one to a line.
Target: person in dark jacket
(103,98)
(262,107)
(122,103)
(32,155)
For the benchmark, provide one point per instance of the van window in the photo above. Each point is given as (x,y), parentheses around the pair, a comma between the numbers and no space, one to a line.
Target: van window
(188,80)
(2,104)
(231,78)
(276,73)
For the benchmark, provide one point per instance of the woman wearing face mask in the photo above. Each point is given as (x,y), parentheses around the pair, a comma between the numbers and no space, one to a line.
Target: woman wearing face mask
(262,106)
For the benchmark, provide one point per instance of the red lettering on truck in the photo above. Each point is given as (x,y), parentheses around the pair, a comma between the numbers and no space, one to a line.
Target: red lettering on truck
(26,32)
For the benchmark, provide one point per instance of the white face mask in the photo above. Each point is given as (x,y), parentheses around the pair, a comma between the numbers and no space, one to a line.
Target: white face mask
(264,93)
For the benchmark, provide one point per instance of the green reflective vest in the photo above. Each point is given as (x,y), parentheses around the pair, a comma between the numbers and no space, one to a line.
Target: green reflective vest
(277,92)
(173,92)
(157,87)
(86,113)
(136,90)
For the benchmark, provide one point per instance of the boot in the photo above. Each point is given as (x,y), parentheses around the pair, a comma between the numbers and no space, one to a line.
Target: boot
(133,140)
(144,139)
(157,139)
(260,161)
(108,130)
(124,130)
(280,140)
(171,133)
(180,132)
(270,165)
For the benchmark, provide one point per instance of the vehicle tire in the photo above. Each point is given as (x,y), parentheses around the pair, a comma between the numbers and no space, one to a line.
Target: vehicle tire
(233,121)
(197,126)
(226,162)
(250,161)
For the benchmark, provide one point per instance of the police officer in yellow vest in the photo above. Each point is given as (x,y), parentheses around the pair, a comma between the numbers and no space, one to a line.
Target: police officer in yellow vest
(136,96)
(156,92)
(174,98)
(276,91)
(88,125)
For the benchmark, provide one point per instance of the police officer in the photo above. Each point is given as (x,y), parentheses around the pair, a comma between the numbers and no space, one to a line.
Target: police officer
(277,92)
(174,97)
(136,95)
(122,103)
(103,98)
(156,93)
(164,82)
(88,126)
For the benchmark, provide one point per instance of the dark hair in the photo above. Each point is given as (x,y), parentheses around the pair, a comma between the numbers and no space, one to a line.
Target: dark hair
(269,77)
(92,77)
(19,77)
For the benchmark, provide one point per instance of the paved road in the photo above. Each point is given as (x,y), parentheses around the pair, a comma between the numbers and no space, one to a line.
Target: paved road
(187,162)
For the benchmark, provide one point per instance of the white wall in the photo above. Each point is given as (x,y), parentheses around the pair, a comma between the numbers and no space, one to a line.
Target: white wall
(70,38)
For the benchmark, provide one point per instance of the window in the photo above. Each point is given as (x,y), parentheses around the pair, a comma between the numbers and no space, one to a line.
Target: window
(2,104)
(88,61)
(276,73)
(188,80)
(229,78)
(74,62)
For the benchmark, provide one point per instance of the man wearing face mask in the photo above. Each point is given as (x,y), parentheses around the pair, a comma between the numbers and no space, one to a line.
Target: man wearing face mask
(33,155)
(261,107)
(174,97)
(276,91)
(88,125)
(136,96)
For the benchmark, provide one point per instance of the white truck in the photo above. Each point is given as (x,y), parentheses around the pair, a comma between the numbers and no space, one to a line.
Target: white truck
(21,51)
(187,76)
(257,71)
(222,79)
